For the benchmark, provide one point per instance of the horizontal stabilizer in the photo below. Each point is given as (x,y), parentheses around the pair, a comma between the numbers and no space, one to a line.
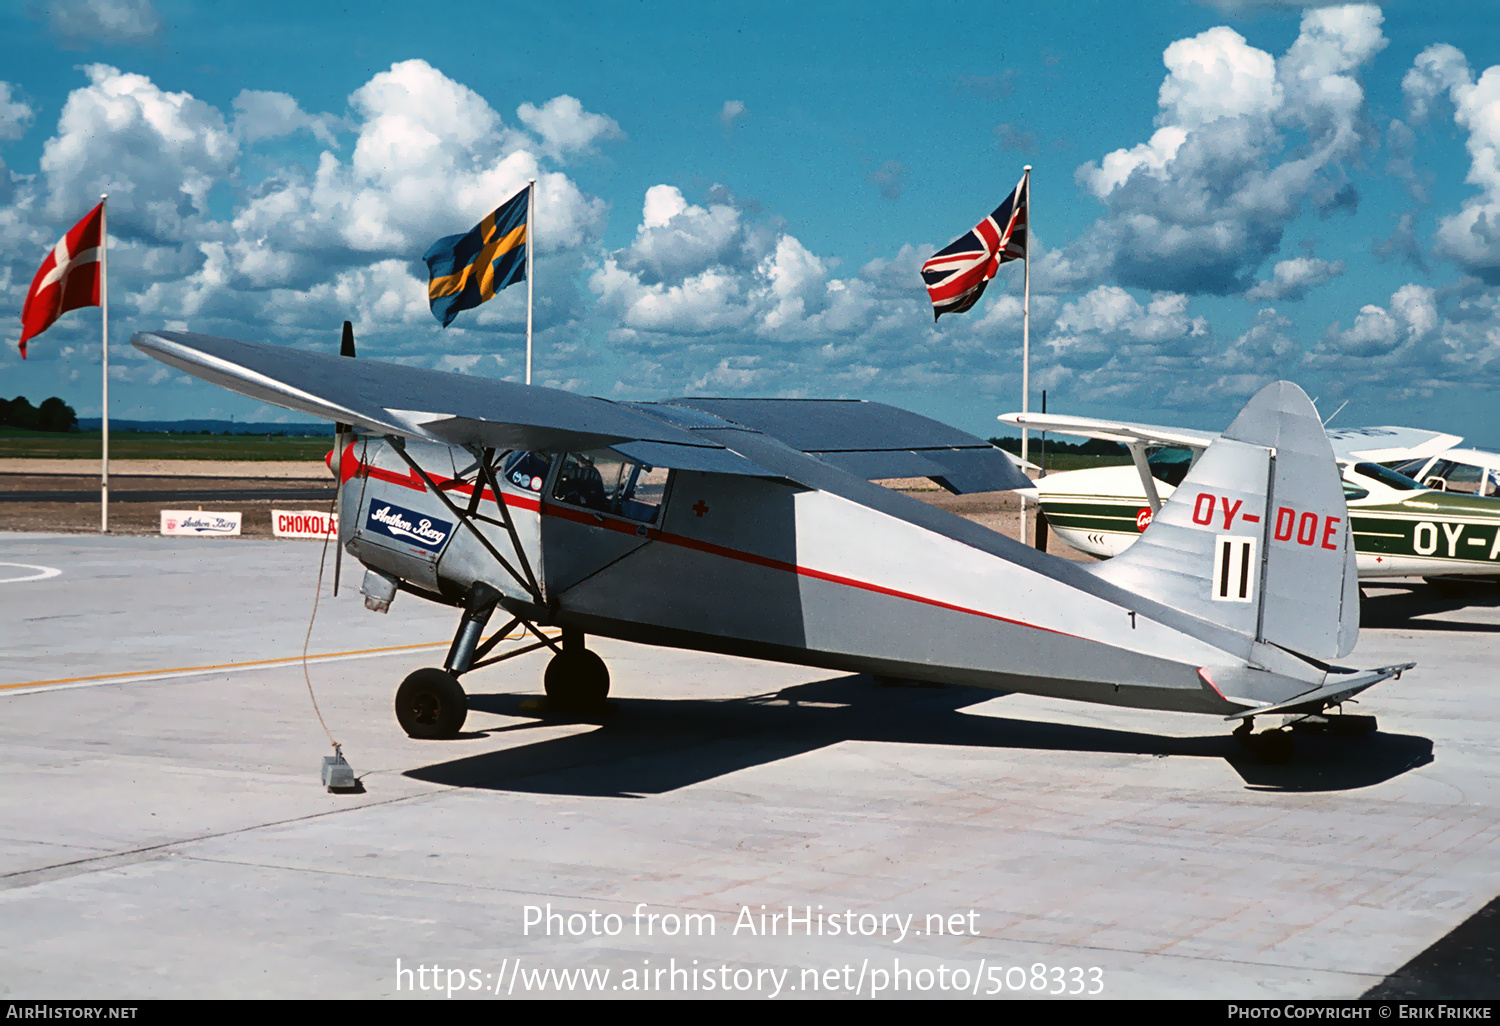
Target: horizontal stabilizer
(1337,688)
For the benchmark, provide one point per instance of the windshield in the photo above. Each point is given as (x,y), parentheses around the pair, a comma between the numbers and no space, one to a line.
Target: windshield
(1411,468)
(1387,477)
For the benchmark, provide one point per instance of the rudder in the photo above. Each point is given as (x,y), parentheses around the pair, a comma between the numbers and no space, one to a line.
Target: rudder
(1256,538)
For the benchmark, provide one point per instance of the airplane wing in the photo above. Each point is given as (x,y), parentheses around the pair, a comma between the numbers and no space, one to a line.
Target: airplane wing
(1112,430)
(1388,444)
(1373,444)
(873,440)
(437,406)
(460,409)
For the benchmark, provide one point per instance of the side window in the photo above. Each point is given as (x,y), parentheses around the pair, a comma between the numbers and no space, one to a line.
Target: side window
(1437,476)
(1354,491)
(607,483)
(1464,477)
(646,494)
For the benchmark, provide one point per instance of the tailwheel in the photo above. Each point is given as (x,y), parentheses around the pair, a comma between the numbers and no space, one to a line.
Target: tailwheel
(1269,746)
(577,681)
(431,705)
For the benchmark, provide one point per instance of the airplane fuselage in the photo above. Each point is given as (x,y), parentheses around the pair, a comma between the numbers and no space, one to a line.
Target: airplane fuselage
(1103,511)
(764,568)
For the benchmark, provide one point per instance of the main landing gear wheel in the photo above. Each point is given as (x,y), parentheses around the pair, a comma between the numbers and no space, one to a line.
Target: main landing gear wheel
(577,681)
(431,705)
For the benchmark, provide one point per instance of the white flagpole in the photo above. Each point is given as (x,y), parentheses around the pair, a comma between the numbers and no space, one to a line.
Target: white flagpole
(1026,319)
(1026,341)
(530,265)
(104,303)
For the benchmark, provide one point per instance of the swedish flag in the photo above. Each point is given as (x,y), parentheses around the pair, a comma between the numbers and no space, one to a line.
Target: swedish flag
(469,269)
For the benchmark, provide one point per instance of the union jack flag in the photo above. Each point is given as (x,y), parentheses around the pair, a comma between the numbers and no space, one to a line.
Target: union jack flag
(957,274)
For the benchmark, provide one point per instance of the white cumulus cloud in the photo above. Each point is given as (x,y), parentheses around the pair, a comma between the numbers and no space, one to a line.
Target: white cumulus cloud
(565,127)
(158,154)
(1205,200)
(78,22)
(430,158)
(1470,237)
(1290,279)
(269,115)
(15,114)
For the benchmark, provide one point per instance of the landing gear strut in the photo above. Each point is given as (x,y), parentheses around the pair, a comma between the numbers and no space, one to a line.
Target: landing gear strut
(576,680)
(431,704)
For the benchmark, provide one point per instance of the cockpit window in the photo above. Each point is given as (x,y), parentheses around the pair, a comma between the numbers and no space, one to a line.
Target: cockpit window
(1170,465)
(1386,476)
(1411,468)
(1453,476)
(607,483)
(1354,491)
(527,470)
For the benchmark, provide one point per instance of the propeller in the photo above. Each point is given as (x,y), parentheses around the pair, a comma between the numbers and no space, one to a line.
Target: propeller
(346,348)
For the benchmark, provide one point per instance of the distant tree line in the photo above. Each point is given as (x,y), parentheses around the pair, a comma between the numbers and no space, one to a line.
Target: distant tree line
(52,415)
(1093,447)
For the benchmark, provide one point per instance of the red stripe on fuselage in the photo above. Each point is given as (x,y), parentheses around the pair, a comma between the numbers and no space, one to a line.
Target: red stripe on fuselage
(683,541)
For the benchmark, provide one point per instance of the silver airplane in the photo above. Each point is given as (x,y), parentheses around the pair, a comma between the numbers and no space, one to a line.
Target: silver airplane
(751,527)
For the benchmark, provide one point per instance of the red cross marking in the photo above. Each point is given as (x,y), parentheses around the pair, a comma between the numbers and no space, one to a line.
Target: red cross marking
(700,507)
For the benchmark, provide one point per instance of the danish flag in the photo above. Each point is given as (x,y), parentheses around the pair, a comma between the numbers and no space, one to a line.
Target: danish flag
(957,274)
(68,279)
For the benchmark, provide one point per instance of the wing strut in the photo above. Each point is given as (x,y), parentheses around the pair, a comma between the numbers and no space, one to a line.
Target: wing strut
(1138,455)
(487,464)
(467,517)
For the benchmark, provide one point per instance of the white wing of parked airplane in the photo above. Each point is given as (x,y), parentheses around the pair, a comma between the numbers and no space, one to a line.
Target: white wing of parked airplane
(1112,430)
(1373,444)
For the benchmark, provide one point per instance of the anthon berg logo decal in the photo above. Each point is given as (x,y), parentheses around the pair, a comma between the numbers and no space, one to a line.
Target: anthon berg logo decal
(408,526)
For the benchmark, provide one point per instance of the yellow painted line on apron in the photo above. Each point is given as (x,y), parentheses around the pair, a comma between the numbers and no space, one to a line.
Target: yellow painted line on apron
(192,671)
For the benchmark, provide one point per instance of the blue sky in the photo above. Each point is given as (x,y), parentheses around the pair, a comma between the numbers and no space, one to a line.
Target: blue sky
(735,198)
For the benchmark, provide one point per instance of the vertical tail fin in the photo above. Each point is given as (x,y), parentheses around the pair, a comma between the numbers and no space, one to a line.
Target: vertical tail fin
(1256,537)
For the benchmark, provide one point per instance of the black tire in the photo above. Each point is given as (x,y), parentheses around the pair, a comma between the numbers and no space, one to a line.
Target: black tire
(431,705)
(1274,747)
(576,681)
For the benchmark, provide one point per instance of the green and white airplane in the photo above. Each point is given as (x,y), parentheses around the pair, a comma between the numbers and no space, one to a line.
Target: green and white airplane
(1441,525)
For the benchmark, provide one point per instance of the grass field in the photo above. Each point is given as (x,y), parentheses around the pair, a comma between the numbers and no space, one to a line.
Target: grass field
(1073,461)
(136,445)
